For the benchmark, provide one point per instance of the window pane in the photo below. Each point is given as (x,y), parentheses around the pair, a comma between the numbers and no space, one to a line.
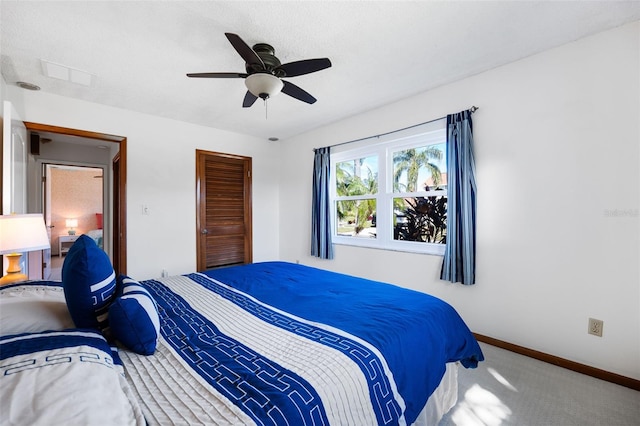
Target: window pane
(357,177)
(420,169)
(356,218)
(422,219)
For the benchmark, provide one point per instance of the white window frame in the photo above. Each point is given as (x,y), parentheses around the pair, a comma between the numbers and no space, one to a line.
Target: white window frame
(428,134)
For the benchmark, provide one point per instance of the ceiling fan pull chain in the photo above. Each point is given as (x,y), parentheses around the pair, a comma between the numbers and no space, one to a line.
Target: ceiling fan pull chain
(266,109)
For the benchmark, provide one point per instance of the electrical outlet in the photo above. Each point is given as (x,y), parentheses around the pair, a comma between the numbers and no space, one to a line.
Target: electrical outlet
(595,327)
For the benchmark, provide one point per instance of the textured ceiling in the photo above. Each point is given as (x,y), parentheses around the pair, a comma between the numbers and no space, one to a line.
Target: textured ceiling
(382,51)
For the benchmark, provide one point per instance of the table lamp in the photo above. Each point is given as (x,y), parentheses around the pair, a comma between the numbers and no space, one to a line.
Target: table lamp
(20,233)
(72,223)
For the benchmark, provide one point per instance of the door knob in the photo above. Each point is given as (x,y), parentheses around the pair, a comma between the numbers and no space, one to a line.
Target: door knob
(204,232)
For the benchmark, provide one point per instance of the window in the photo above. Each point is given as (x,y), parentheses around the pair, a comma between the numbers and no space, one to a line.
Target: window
(392,194)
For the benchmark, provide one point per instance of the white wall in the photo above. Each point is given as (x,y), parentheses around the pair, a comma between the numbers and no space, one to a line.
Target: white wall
(557,145)
(3,92)
(3,86)
(161,174)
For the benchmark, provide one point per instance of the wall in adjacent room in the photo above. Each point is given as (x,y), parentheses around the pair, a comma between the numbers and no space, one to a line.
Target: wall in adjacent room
(75,194)
(557,146)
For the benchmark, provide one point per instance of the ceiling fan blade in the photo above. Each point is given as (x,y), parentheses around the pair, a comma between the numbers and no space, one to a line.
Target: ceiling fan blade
(307,66)
(296,92)
(249,99)
(247,53)
(218,75)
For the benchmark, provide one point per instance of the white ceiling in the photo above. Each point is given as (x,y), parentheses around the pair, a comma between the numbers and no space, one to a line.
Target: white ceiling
(382,51)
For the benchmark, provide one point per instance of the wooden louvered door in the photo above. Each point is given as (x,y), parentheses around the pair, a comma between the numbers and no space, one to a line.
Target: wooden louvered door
(223,193)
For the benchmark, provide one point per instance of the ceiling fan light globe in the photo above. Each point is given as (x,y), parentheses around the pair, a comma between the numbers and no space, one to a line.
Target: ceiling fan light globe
(263,85)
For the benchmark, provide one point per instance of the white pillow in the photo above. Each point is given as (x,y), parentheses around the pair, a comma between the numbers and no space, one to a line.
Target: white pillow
(33,307)
(67,377)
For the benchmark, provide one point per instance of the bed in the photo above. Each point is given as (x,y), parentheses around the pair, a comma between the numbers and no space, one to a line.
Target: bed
(97,234)
(266,343)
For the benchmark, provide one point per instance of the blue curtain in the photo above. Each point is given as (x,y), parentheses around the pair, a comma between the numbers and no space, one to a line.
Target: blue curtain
(459,264)
(321,245)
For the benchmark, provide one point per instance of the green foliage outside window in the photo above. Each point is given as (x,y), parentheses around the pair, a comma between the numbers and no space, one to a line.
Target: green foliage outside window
(415,218)
(423,219)
(358,214)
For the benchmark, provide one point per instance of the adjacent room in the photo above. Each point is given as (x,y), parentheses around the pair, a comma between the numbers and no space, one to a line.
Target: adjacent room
(220,194)
(75,208)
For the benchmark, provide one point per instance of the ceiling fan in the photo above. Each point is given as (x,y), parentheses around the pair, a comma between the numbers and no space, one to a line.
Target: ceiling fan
(265,72)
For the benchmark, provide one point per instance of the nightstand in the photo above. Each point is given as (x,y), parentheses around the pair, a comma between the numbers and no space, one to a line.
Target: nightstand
(65,242)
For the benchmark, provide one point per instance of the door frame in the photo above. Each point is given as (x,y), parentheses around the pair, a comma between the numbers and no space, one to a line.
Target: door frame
(119,206)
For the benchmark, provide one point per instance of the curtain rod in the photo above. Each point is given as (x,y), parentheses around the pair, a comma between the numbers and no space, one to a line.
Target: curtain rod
(472,110)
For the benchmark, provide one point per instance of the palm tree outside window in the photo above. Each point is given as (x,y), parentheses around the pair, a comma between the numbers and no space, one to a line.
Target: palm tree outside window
(392,193)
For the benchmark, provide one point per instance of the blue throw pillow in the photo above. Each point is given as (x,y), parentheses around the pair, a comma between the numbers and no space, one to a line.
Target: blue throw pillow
(89,284)
(133,317)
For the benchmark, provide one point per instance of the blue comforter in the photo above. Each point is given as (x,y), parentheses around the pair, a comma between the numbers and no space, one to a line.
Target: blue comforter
(416,333)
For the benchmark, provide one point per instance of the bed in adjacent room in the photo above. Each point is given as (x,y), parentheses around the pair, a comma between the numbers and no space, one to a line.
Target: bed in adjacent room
(266,343)
(97,233)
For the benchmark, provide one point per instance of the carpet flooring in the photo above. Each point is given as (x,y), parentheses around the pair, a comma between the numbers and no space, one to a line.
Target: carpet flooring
(512,389)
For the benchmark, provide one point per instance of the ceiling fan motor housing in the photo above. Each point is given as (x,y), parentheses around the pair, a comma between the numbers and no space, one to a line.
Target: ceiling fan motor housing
(266,52)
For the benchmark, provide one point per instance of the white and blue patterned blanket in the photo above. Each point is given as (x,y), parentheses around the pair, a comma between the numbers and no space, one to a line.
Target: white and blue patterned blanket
(278,369)
(228,357)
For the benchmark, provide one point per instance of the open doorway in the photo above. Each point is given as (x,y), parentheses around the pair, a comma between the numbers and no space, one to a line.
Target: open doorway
(66,147)
(73,205)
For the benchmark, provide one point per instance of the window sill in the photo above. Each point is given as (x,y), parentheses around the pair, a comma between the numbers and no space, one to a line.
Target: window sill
(432,251)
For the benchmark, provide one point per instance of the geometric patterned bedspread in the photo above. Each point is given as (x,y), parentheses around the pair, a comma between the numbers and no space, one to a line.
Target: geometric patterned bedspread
(275,368)
(227,356)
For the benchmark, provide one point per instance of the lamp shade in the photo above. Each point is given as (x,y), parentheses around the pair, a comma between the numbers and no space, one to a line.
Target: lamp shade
(71,223)
(22,232)
(263,85)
